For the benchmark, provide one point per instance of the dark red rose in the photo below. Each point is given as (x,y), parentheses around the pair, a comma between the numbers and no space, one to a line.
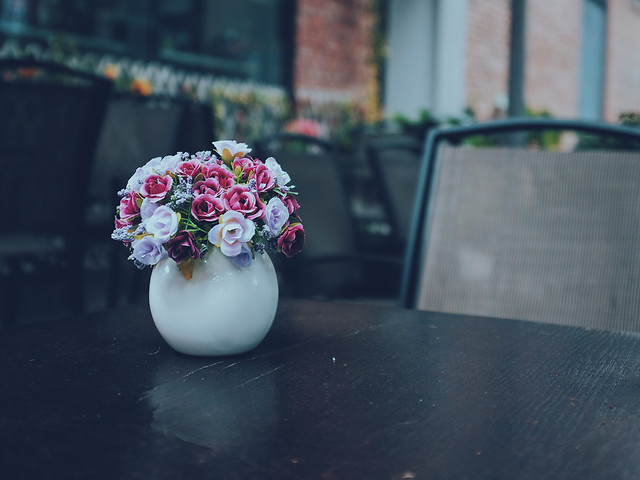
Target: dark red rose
(291,203)
(182,247)
(291,240)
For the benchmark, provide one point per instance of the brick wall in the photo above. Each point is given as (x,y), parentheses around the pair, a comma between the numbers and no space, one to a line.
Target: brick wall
(554,31)
(333,52)
(552,56)
(333,49)
(622,83)
(487,55)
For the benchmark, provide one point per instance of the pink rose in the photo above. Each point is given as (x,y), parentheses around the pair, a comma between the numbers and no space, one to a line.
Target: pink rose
(129,209)
(182,247)
(155,187)
(217,177)
(264,178)
(212,167)
(119,223)
(291,240)
(240,199)
(246,165)
(291,203)
(207,208)
(208,186)
(189,168)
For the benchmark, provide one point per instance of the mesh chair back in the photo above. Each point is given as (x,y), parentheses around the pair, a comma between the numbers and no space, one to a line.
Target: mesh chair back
(322,268)
(50,122)
(136,129)
(537,235)
(51,118)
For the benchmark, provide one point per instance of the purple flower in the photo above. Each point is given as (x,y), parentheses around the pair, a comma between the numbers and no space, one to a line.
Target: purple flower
(148,250)
(275,216)
(182,247)
(147,208)
(244,258)
(163,224)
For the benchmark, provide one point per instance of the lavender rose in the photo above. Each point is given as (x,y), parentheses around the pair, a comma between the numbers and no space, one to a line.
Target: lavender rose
(148,250)
(147,208)
(163,224)
(275,216)
(182,247)
(291,240)
(244,258)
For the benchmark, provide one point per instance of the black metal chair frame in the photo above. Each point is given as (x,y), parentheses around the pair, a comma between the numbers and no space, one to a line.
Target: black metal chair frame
(421,221)
(373,154)
(293,267)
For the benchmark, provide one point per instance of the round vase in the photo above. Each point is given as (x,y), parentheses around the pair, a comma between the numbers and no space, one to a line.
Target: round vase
(221,310)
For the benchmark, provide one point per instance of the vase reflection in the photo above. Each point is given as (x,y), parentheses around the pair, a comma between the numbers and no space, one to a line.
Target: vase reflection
(218,406)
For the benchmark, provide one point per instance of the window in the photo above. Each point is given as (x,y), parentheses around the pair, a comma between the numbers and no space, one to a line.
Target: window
(249,39)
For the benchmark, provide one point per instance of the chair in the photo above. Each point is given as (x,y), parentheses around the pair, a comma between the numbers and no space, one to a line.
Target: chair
(50,122)
(395,163)
(330,264)
(518,231)
(137,129)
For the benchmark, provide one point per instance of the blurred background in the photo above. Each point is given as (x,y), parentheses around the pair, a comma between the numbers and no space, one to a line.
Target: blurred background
(349,72)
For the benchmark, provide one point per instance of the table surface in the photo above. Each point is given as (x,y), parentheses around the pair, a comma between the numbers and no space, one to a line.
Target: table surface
(335,391)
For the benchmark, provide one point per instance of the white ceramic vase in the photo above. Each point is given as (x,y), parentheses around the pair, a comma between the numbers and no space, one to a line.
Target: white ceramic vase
(221,310)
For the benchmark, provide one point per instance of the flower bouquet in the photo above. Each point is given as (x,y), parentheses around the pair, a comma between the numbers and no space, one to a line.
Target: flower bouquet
(181,206)
(206,222)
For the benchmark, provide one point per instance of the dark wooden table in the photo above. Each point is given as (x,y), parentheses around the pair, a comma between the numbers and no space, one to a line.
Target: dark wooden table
(336,391)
